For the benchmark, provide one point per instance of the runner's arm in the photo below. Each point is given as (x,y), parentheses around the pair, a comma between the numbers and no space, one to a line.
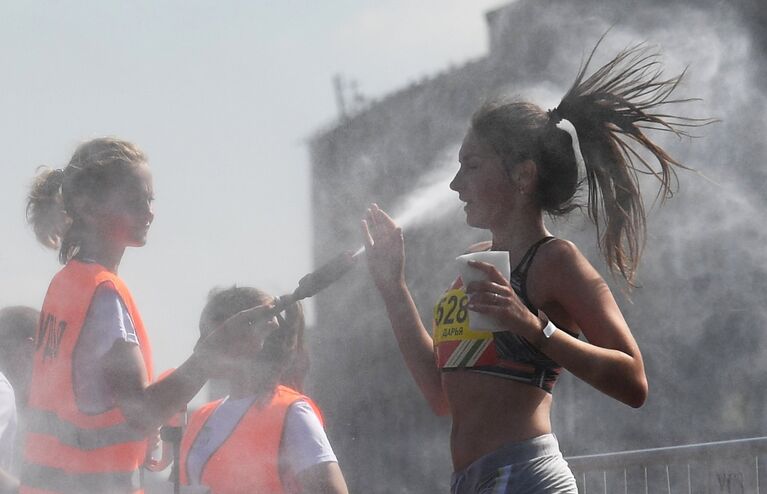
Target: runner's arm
(385,249)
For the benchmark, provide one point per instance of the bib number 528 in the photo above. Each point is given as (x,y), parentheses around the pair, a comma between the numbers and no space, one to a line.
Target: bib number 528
(451,309)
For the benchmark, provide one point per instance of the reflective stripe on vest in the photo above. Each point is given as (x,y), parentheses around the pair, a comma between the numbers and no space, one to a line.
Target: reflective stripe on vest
(48,479)
(48,423)
(248,461)
(67,450)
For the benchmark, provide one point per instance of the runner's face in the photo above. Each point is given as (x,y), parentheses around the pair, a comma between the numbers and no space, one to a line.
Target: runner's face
(482,183)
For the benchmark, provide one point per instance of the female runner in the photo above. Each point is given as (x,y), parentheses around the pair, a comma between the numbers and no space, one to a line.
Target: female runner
(516,164)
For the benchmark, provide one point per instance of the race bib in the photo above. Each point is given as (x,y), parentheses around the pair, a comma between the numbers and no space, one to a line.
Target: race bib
(456,344)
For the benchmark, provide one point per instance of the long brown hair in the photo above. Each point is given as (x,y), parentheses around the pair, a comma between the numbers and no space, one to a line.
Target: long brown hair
(611,109)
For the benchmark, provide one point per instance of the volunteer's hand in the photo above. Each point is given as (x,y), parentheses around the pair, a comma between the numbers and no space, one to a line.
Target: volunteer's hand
(249,325)
(385,248)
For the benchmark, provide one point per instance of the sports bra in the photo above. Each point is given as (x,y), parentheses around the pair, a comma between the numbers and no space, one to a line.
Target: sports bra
(502,353)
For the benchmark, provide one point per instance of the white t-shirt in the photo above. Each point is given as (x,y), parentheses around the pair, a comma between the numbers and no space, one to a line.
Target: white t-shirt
(7,425)
(304,442)
(106,322)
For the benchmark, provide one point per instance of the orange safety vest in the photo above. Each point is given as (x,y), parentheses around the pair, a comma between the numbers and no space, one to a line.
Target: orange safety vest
(68,451)
(248,460)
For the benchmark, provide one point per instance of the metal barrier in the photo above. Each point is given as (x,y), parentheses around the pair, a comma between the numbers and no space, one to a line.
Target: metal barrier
(736,466)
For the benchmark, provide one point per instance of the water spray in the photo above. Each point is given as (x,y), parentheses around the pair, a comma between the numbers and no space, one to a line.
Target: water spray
(426,202)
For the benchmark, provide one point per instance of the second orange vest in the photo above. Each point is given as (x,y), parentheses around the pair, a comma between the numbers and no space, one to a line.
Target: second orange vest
(248,461)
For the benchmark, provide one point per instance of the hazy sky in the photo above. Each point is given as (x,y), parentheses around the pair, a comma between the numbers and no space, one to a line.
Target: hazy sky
(222,96)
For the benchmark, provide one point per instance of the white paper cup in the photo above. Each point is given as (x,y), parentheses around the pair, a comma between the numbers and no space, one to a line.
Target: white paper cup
(499,259)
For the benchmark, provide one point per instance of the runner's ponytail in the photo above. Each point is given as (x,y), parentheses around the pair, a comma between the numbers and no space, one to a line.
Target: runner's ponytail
(610,111)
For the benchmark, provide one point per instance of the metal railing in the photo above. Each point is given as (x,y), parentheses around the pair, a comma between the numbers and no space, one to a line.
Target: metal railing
(736,466)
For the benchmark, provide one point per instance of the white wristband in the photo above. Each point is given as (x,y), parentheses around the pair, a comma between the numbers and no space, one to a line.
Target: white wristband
(549,329)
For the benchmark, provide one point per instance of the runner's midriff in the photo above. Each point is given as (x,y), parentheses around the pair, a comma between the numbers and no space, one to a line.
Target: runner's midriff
(488,412)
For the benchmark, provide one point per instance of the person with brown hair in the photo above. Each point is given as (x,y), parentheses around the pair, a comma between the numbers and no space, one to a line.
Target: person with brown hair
(518,162)
(91,405)
(265,436)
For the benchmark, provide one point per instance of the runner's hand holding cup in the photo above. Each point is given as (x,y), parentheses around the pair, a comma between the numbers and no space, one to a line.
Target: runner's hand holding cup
(493,304)
(484,289)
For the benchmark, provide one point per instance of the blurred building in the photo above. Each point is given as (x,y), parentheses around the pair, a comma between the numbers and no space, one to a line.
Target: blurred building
(386,438)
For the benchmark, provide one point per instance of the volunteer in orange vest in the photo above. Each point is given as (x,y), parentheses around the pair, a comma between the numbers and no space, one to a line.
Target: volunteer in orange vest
(265,436)
(91,408)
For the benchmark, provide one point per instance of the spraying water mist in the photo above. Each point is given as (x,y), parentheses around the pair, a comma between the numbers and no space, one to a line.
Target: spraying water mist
(432,200)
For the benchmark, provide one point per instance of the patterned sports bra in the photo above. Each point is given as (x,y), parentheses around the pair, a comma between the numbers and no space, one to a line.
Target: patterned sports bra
(503,353)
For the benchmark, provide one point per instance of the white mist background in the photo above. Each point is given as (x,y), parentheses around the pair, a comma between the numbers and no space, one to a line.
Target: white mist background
(222,97)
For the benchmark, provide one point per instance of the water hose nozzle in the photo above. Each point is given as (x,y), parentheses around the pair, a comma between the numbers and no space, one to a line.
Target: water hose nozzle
(318,280)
